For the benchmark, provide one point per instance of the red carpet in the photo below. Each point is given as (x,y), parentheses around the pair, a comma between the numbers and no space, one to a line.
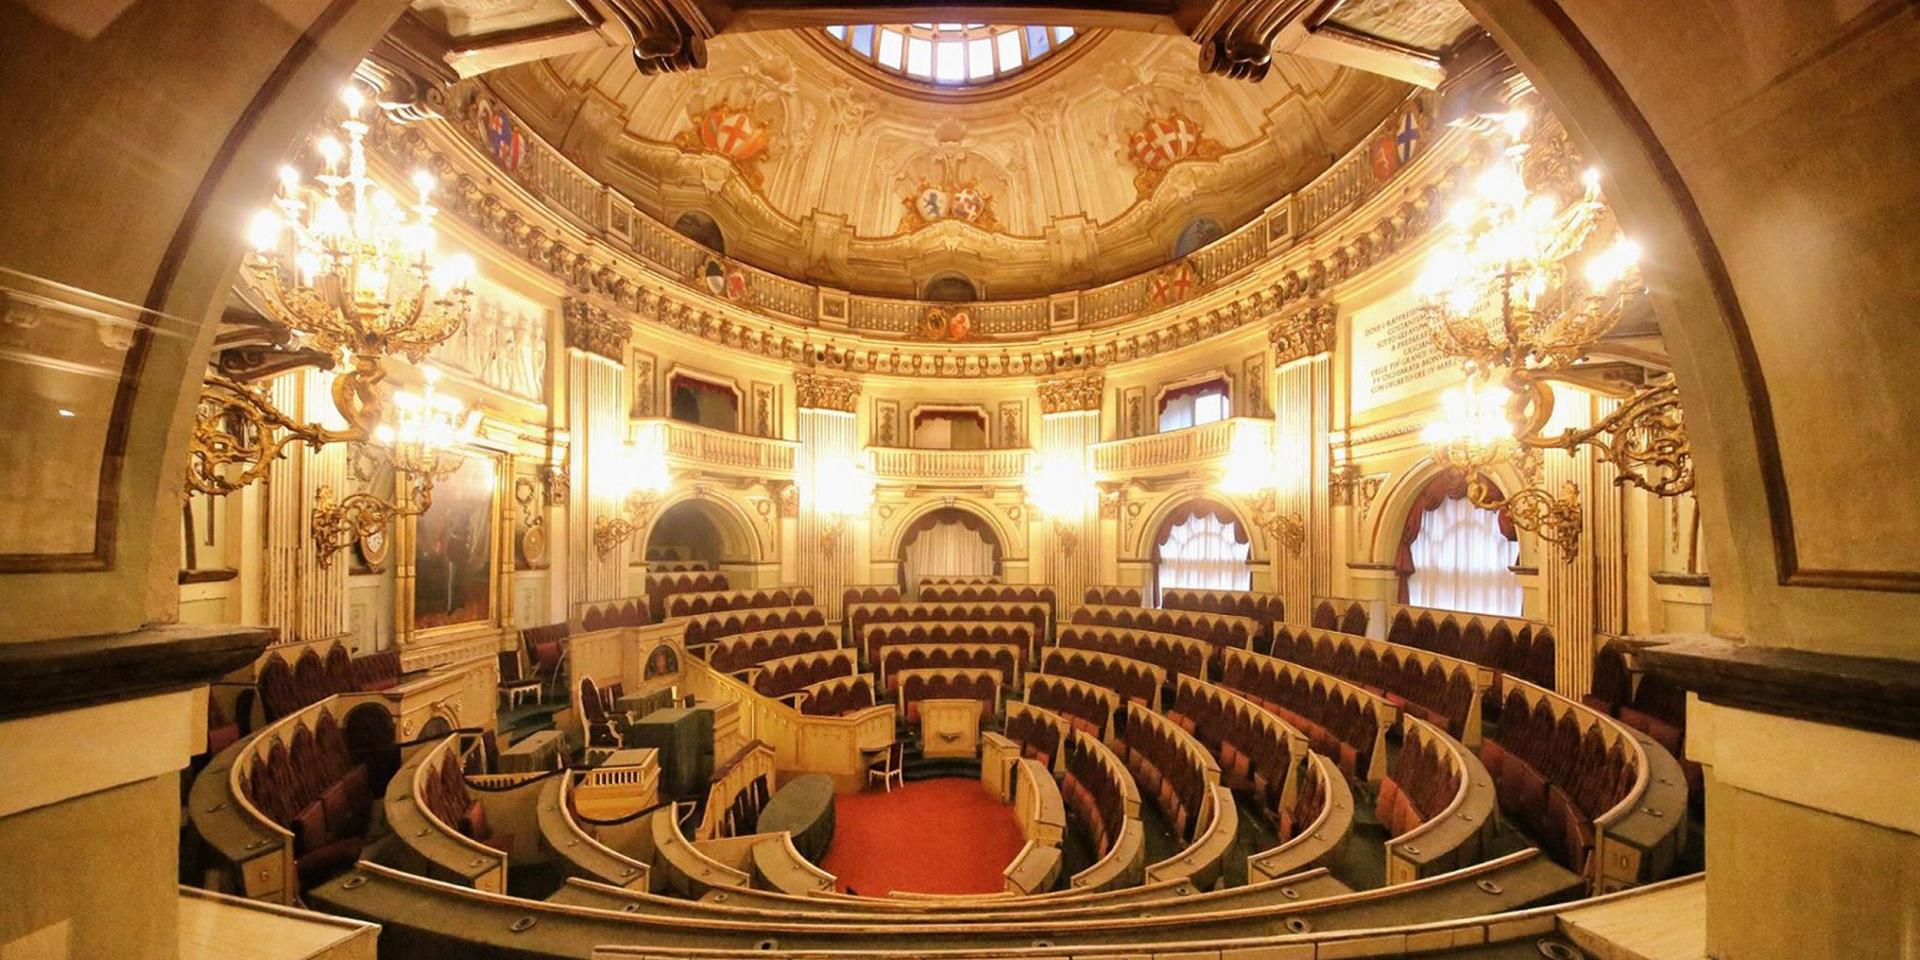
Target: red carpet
(933,836)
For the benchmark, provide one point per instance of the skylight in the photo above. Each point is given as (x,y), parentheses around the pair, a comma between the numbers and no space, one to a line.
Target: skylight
(950,54)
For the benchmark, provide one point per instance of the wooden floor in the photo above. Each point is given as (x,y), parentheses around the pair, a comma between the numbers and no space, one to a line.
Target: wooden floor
(1666,923)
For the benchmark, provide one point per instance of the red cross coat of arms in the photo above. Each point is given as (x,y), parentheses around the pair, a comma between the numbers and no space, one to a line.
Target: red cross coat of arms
(1162,142)
(1173,284)
(733,134)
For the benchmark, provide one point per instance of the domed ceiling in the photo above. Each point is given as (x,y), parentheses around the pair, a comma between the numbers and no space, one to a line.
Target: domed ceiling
(1083,165)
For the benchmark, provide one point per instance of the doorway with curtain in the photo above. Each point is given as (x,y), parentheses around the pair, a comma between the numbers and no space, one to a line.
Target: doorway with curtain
(949,542)
(1456,556)
(1201,546)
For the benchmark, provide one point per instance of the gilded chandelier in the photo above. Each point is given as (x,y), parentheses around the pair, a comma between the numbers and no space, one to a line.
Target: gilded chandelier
(647,481)
(1523,293)
(429,429)
(349,276)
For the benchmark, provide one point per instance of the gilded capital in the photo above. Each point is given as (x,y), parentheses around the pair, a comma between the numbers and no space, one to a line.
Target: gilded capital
(826,392)
(1305,332)
(595,330)
(1074,393)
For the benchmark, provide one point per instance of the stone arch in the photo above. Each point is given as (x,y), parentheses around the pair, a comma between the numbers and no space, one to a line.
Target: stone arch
(897,539)
(740,538)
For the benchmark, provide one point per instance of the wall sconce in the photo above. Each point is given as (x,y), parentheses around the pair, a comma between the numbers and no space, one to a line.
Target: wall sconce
(423,445)
(1257,473)
(843,490)
(1472,435)
(1059,490)
(647,480)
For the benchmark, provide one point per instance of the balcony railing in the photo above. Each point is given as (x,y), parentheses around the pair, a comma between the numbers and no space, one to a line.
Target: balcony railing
(949,466)
(1179,449)
(688,444)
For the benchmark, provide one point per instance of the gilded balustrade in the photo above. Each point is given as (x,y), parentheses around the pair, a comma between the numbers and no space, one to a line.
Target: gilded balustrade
(970,466)
(691,445)
(1180,450)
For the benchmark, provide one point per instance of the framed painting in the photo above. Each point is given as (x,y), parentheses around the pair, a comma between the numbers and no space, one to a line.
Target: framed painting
(454,548)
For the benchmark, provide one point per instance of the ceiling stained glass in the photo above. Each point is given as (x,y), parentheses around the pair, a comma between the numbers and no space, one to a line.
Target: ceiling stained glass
(951,54)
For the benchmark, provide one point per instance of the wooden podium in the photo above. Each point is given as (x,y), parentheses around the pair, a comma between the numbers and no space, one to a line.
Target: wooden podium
(950,728)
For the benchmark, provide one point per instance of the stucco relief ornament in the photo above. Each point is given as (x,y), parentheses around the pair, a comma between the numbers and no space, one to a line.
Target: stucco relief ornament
(1079,393)
(1162,141)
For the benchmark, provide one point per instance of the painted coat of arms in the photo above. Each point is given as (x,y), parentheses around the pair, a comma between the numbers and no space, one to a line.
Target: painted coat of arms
(1173,283)
(723,279)
(1163,141)
(940,323)
(1399,142)
(930,202)
(730,132)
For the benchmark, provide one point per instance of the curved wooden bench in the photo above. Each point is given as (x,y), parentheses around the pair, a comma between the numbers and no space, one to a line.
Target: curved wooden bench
(578,852)
(1133,680)
(444,850)
(1203,859)
(1035,870)
(1218,630)
(1114,595)
(1245,664)
(1123,865)
(1087,706)
(1266,609)
(778,866)
(1456,835)
(683,869)
(1177,654)
(1312,842)
(1038,804)
(1449,690)
(259,850)
(932,656)
(423,919)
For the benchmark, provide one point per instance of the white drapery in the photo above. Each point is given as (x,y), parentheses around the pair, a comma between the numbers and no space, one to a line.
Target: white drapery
(1461,561)
(947,549)
(1203,552)
(1189,408)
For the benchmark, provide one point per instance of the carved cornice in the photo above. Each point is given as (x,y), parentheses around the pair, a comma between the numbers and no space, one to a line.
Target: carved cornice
(1308,331)
(1075,393)
(597,269)
(824,392)
(667,35)
(596,330)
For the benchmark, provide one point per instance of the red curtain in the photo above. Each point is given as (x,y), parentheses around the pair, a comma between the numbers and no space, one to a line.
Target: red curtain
(1450,485)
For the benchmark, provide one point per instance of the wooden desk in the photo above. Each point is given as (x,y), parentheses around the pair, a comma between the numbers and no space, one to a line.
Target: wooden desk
(950,728)
(803,808)
(533,753)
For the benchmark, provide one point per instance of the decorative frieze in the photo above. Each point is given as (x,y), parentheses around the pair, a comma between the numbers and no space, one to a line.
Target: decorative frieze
(596,330)
(620,279)
(1074,393)
(826,392)
(1306,332)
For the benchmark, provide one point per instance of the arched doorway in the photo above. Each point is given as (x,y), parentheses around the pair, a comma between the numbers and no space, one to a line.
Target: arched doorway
(697,531)
(948,542)
(1201,545)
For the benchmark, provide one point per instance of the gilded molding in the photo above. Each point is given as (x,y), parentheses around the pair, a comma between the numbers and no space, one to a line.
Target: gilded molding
(596,330)
(1076,393)
(825,392)
(1306,332)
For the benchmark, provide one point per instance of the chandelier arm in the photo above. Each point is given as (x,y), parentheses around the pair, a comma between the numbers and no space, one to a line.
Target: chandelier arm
(1644,438)
(214,447)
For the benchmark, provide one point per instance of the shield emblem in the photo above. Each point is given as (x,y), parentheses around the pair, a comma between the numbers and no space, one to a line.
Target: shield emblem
(1385,157)
(931,202)
(1407,141)
(733,134)
(959,326)
(504,142)
(967,204)
(736,284)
